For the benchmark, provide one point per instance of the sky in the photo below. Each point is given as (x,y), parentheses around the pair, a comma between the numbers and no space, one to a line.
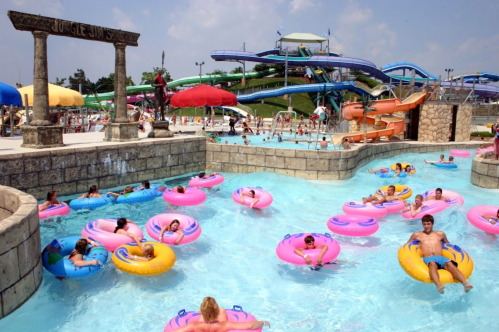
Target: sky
(435,35)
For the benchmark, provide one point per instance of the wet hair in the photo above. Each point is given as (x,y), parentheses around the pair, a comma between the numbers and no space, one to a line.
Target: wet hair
(498,213)
(451,158)
(175,221)
(51,194)
(392,186)
(309,239)
(442,156)
(128,190)
(408,166)
(419,196)
(146,184)
(438,189)
(252,192)
(92,189)
(80,247)
(121,223)
(180,189)
(209,309)
(148,250)
(324,138)
(428,217)
(201,175)
(399,165)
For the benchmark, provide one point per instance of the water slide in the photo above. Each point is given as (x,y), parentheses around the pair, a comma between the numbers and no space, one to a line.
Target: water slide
(481,90)
(392,125)
(180,82)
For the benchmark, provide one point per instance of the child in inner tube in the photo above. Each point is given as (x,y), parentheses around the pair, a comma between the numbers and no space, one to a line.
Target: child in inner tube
(250,194)
(145,185)
(181,190)
(147,251)
(415,207)
(493,220)
(173,227)
(93,192)
(127,190)
(203,175)
(309,245)
(51,201)
(122,222)
(79,251)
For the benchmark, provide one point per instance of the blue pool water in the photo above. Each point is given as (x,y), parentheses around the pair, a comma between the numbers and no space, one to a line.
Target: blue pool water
(289,141)
(234,261)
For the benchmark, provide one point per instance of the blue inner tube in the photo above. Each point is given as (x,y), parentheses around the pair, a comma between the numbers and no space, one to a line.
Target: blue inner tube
(154,186)
(53,258)
(390,174)
(140,196)
(445,165)
(89,203)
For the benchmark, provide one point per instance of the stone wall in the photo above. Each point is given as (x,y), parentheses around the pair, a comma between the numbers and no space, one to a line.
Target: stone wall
(312,164)
(72,170)
(434,122)
(485,172)
(20,249)
(463,123)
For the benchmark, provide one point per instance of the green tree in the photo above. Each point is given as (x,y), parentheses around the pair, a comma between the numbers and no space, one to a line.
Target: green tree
(237,70)
(60,81)
(261,67)
(94,89)
(278,67)
(79,78)
(356,72)
(108,82)
(217,72)
(149,76)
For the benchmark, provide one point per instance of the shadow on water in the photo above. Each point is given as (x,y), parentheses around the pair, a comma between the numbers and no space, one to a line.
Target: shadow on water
(364,242)
(312,275)
(192,250)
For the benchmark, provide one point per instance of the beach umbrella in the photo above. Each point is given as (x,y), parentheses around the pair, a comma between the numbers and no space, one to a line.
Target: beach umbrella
(203,95)
(9,95)
(58,96)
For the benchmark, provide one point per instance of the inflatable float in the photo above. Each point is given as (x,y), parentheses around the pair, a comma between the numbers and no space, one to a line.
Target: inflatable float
(401,191)
(475,217)
(102,230)
(191,196)
(353,225)
(188,225)
(460,153)
(453,197)
(368,209)
(54,210)
(164,259)
(404,165)
(206,182)
(89,203)
(265,198)
(429,207)
(285,248)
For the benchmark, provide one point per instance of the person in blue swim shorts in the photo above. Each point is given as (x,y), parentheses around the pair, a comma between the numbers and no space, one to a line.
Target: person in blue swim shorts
(431,247)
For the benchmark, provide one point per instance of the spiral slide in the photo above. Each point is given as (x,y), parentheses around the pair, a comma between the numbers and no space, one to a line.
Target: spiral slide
(392,124)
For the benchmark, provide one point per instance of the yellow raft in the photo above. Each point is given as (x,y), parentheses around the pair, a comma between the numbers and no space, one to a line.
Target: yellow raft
(410,258)
(404,165)
(164,259)
(400,190)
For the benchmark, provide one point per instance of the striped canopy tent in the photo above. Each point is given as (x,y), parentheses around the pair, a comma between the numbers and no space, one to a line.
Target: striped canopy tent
(302,38)
(58,96)
(9,95)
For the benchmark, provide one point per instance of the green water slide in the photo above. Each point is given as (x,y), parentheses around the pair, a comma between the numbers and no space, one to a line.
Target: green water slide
(183,81)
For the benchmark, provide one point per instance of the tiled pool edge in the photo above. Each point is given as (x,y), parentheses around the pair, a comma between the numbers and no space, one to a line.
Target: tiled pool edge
(485,172)
(313,164)
(20,254)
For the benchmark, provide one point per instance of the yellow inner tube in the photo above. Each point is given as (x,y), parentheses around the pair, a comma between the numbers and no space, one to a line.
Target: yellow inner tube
(410,258)
(400,190)
(404,165)
(164,259)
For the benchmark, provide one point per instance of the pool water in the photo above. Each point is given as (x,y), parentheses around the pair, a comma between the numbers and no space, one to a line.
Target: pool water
(234,261)
(289,141)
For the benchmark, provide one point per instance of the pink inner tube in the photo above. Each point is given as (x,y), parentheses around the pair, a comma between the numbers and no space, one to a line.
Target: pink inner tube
(285,248)
(460,153)
(188,225)
(452,196)
(490,148)
(102,230)
(265,198)
(206,183)
(236,314)
(429,207)
(60,210)
(374,211)
(353,225)
(192,196)
(394,206)
(475,217)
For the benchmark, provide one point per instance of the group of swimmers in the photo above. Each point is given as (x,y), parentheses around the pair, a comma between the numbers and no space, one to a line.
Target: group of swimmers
(441,161)
(398,170)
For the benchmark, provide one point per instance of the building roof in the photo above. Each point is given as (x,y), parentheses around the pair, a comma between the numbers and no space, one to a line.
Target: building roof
(303,38)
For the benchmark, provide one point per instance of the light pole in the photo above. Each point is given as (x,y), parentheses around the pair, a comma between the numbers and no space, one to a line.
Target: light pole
(448,72)
(200,69)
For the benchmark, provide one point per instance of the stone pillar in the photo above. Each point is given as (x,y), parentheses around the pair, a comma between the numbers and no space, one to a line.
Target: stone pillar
(463,123)
(120,130)
(41,115)
(434,125)
(41,133)
(120,84)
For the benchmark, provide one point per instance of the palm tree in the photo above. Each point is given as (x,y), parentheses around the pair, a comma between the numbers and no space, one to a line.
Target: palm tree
(366,104)
(94,89)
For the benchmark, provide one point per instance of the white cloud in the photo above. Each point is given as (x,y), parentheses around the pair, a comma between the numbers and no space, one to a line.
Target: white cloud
(123,21)
(42,7)
(296,6)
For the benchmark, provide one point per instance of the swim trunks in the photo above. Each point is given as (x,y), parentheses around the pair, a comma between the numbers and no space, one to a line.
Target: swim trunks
(440,260)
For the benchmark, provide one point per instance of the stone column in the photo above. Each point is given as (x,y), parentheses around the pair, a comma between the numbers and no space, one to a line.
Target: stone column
(463,123)
(120,84)
(41,115)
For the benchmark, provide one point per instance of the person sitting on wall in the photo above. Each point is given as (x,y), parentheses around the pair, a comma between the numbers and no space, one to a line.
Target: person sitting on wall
(51,201)
(346,144)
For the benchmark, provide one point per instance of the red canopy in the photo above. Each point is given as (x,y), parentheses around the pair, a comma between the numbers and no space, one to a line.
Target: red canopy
(203,95)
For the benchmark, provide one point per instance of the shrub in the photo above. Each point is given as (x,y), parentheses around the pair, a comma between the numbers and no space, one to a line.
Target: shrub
(482,134)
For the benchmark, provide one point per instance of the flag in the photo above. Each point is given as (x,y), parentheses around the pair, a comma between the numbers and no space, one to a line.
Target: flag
(328,32)
(278,32)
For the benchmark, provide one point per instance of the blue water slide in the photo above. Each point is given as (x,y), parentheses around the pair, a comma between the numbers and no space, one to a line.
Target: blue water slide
(268,52)
(410,66)
(304,88)
(482,90)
